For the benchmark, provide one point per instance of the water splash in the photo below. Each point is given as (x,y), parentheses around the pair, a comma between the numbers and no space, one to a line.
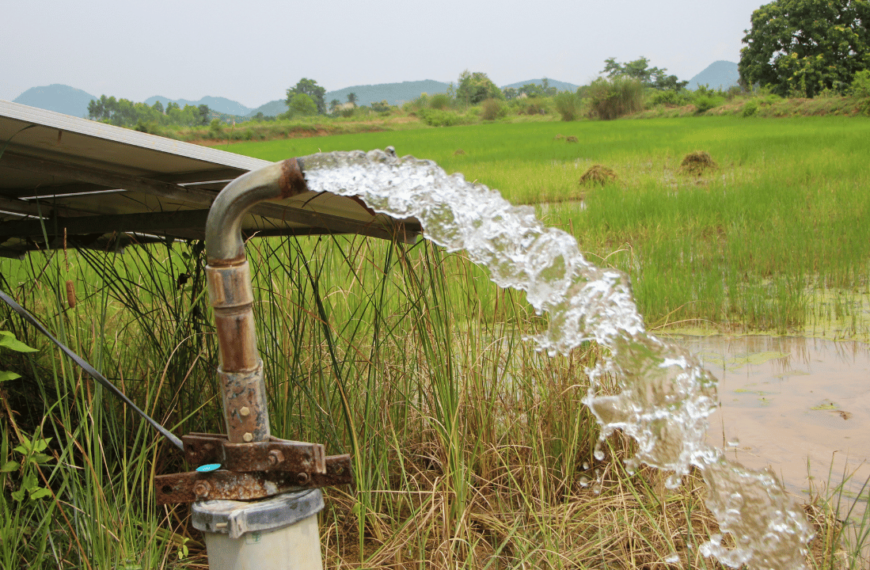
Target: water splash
(665,395)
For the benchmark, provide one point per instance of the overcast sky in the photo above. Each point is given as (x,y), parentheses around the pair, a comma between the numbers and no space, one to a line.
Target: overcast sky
(252,51)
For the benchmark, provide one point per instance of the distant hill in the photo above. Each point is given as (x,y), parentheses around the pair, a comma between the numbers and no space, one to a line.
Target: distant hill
(560,85)
(393,93)
(219,104)
(271,109)
(717,75)
(58,98)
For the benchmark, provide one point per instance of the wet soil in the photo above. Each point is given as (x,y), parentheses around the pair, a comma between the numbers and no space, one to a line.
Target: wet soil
(800,406)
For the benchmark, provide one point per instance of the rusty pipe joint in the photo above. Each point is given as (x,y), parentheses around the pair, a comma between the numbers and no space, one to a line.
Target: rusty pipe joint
(231,295)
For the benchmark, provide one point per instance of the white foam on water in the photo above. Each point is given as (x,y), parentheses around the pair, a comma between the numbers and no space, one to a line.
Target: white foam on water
(665,395)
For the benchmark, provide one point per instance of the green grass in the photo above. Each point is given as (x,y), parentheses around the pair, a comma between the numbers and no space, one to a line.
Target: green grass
(470,448)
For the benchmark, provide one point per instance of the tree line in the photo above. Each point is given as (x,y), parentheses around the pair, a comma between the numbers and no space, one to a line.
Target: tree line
(126,113)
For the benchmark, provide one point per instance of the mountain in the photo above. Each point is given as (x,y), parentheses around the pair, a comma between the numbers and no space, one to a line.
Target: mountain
(59,98)
(717,75)
(219,104)
(393,93)
(560,85)
(271,109)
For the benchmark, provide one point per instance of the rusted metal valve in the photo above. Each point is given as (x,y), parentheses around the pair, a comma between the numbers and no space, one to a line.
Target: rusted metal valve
(253,464)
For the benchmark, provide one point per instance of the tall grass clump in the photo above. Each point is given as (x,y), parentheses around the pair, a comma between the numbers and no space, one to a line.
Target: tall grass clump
(492,109)
(440,101)
(567,105)
(611,98)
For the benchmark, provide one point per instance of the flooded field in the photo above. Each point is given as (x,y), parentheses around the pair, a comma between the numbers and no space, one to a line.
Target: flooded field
(798,405)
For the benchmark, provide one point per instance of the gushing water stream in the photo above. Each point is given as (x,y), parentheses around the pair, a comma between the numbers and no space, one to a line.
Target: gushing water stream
(665,395)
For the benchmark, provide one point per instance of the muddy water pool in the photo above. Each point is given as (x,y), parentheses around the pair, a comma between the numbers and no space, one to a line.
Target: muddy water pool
(798,405)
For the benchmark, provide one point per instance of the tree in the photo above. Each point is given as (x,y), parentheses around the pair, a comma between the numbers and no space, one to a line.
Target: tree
(351,98)
(310,88)
(476,87)
(806,46)
(639,69)
(301,105)
(531,90)
(203,112)
(158,106)
(333,105)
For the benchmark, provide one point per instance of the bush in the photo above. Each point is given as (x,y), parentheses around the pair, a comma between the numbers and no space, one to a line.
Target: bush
(669,98)
(493,109)
(216,128)
(861,84)
(436,118)
(567,105)
(440,101)
(704,103)
(749,108)
(531,106)
(613,98)
(734,91)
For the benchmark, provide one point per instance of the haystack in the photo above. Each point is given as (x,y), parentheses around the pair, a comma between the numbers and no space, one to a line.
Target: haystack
(598,175)
(571,139)
(697,163)
(459,152)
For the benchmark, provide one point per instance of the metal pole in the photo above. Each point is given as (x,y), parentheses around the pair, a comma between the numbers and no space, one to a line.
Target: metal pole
(279,532)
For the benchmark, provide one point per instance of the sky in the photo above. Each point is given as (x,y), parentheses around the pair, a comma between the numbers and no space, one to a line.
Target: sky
(252,51)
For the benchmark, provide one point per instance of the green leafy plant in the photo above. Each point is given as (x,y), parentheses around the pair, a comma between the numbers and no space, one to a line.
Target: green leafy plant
(861,84)
(749,108)
(32,456)
(8,341)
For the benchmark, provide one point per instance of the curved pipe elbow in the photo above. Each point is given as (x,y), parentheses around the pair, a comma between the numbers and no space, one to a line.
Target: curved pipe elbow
(223,229)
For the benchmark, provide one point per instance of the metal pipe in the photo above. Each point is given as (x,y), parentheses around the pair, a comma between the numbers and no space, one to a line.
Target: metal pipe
(231,295)
(279,532)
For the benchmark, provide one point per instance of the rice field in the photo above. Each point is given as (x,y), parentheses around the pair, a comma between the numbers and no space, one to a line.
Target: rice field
(774,238)
(470,449)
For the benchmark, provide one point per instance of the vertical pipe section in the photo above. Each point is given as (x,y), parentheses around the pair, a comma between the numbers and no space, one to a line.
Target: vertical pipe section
(231,295)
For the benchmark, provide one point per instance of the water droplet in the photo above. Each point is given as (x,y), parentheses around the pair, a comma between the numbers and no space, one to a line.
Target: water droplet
(599,452)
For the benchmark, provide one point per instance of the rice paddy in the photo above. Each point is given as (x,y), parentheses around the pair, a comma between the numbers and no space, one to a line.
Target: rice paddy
(470,449)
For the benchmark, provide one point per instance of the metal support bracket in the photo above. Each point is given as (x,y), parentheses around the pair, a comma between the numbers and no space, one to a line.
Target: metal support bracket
(273,455)
(229,485)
